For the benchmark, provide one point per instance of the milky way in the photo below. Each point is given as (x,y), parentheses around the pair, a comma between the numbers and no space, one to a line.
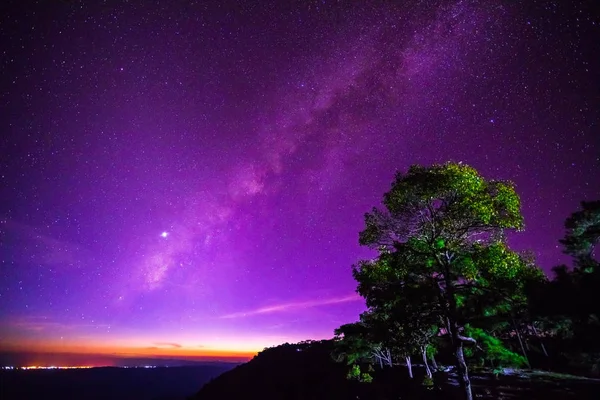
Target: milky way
(197,175)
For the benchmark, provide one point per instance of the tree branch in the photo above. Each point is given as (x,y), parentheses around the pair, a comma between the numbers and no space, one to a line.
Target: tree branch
(466,339)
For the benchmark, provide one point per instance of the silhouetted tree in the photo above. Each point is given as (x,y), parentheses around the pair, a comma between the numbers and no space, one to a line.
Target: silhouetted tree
(567,307)
(583,235)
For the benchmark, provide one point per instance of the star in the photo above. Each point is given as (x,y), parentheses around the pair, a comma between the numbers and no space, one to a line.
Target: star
(164,234)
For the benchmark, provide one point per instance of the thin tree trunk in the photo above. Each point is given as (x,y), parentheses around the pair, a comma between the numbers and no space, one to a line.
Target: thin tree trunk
(389,358)
(540,339)
(463,372)
(520,341)
(409,366)
(434,363)
(449,304)
(427,370)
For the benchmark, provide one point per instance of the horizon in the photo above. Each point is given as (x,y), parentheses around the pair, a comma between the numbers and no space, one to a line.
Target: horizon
(192,179)
(21,359)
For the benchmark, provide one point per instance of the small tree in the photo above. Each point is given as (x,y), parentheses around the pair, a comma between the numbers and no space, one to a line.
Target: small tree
(358,345)
(353,344)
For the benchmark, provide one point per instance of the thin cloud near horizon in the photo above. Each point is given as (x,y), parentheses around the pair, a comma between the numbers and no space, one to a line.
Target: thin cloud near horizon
(42,323)
(170,345)
(292,306)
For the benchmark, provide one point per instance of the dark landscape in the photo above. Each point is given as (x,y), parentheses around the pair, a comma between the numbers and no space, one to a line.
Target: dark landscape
(160,383)
(286,373)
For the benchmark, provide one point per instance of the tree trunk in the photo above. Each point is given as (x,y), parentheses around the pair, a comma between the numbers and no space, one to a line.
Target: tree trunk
(457,343)
(520,341)
(448,303)
(427,370)
(540,339)
(463,372)
(389,358)
(409,366)
(434,363)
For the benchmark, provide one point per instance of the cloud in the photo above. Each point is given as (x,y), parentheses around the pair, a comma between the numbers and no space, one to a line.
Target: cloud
(292,306)
(169,345)
(32,244)
(45,324)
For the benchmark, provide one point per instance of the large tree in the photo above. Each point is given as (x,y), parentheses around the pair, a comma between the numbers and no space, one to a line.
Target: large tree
(443,229)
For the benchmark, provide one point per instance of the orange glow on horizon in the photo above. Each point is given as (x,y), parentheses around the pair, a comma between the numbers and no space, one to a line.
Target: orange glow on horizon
(128,351)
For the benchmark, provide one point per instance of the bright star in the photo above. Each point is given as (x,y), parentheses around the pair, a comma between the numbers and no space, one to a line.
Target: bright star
(164,234)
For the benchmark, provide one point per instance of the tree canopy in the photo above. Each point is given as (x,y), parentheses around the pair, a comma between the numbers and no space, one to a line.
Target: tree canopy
(583,234)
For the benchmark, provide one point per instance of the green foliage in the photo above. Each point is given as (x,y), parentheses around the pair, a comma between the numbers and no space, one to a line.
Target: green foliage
(445,219)
(444,225)
(355,373)
(497,261)
(491,350)
(450,198)
(427,383)
(431,350)
(352,343)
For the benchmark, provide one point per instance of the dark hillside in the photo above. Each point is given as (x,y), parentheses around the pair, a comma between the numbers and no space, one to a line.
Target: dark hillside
(288,371)
(307,371)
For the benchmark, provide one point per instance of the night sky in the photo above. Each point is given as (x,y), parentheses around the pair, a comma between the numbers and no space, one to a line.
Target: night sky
(191,177)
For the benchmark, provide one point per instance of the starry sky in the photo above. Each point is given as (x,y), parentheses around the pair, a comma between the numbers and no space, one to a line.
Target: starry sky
(190,177)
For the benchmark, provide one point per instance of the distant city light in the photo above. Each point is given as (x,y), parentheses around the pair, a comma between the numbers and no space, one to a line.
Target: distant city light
(50,367)
(33,367)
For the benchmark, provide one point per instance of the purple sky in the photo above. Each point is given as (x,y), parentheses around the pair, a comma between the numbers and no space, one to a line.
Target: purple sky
(196,175)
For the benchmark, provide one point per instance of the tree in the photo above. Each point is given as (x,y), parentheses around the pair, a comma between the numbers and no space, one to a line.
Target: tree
(358,344)
(400,311)
(352,343)
(568,304)
(443,229)
(583,235)
(393,333)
